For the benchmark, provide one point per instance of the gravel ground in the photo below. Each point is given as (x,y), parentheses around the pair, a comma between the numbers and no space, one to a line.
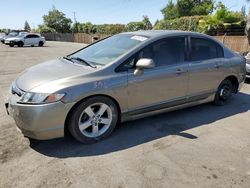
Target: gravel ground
(203,146)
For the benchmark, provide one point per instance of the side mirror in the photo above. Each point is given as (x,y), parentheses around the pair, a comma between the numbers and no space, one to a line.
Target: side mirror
(142,64)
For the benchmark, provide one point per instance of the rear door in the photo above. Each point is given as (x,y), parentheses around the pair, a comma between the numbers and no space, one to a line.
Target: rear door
(206,66)
(167,83)
(35,39)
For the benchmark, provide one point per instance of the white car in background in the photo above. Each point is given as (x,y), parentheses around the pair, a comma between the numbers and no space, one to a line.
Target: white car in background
(2,36)
(26,39)
(11,35)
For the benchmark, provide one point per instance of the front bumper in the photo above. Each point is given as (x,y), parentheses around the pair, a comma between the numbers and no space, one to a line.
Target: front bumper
(7,42)
(41,122)
(10,42)
(248,70)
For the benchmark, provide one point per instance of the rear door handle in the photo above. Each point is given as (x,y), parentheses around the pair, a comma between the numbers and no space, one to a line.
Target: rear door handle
(218,65)
(180,71)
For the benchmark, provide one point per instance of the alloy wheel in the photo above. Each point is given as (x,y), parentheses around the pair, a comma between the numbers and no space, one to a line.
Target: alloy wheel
(225,92)
(95,120)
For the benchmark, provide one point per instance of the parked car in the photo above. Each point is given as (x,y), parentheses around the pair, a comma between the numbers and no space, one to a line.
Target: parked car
(11,34)
(2,36)
(26,39)
(248,65)
(10,38)
(121,78)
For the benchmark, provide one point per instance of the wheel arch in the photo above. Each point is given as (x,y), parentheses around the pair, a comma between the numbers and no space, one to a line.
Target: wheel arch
(66,123)
(234,80)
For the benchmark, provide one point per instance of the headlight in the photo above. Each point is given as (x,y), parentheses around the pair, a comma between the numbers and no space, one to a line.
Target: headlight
(40,98)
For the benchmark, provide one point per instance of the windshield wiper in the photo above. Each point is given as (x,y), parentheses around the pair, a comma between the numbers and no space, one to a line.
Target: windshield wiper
(68,58)
(82,60)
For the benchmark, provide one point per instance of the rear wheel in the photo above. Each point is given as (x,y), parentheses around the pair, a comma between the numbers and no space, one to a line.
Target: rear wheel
(11,45)
(224,93)
(40,43)
(93,119)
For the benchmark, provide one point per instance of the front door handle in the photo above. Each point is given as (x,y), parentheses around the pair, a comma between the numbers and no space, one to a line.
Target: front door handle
(180,71)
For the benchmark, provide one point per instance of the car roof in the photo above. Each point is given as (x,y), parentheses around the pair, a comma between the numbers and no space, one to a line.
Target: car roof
(33,34)
(163,33)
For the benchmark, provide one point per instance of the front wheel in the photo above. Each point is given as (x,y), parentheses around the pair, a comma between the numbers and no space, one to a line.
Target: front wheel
(40,43)
(20,44)
(93,119)
(224,93)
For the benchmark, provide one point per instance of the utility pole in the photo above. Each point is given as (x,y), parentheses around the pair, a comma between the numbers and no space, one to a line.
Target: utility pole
(74,16)
(76,25)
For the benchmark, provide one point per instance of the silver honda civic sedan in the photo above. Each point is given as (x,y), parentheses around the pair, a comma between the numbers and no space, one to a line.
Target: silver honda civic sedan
(121,78)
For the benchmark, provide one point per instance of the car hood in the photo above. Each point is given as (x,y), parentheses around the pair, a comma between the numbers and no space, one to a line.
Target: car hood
(12,38)
(50,71)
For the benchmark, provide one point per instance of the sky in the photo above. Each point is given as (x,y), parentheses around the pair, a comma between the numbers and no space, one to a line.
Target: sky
(14,13)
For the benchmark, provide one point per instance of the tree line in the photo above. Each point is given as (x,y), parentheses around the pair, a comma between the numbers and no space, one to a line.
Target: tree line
(193,15)
(56,22)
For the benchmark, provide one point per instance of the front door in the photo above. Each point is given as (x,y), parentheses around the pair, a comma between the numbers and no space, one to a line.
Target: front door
(167,83)
(28,40)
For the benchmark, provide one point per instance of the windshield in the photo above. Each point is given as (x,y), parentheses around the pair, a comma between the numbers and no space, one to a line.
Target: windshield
(12,34)
(22,35)
(109,49)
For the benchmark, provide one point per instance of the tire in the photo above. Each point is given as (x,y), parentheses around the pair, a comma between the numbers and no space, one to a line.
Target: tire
(93,119)
(20,44)
(224,93)
(40,43)
(11,45)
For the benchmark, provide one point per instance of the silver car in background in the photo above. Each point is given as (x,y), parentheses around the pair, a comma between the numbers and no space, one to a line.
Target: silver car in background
(26,39)
(121,78)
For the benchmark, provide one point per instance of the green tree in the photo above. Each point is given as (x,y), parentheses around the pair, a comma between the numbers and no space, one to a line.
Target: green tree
(27,26)
(223,15)
(87,27)
(57,21)
(194,7)
(45,29)
(4,30)
(135,26)
(187,8)
(203,7)
(156,22)
(76,27)
(147,23)
(170,11)
(110,29)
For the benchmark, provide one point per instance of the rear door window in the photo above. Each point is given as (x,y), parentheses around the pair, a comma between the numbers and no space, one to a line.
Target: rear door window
(203,49)
(33,36)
